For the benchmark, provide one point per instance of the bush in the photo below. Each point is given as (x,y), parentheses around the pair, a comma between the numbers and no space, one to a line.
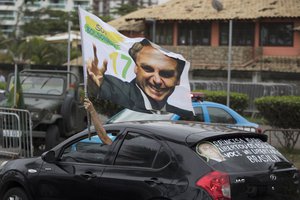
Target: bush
(2,85)
(238,101)
(280,111)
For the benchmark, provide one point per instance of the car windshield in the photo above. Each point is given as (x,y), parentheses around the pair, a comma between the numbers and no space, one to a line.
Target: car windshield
(40,85)
(239,154)
(130,115)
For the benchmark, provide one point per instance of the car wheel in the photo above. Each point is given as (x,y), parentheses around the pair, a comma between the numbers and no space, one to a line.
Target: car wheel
(52,136)
(68,111)
(15,194)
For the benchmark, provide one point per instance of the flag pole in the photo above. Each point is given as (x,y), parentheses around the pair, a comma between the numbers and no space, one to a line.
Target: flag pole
(15,85)
(85,79)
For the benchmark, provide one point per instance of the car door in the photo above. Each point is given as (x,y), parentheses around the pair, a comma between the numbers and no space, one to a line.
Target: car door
(76,175)
(143,169)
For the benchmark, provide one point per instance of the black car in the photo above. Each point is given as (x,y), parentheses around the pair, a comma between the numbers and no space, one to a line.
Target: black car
(158,160)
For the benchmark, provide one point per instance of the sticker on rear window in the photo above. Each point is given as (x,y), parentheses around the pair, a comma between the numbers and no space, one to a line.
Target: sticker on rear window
(252,149)
(210,152)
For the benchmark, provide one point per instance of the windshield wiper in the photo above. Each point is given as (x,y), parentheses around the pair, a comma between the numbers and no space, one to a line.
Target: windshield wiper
(46,81)
(25,78)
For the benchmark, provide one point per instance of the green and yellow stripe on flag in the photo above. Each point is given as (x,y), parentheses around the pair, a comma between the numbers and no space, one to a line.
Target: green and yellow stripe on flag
(16,100)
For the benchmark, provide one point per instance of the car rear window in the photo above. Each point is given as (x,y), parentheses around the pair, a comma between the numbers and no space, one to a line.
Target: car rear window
(130,115)
(239,154)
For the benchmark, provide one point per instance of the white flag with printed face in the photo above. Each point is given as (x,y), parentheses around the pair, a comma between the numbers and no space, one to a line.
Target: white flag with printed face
(132,72)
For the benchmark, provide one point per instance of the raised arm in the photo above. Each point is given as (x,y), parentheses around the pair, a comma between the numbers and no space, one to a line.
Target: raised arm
(95,73)
(97,122)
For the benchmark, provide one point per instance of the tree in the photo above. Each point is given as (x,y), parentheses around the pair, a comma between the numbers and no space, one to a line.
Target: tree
(46,21)
(282,113)
(123,9)
(18,48)
(39,51)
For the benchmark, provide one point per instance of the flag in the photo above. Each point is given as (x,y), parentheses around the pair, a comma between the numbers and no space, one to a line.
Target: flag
(15,100)
(139,74)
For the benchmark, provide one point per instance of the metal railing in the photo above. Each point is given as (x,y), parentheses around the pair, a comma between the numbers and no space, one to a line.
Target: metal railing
(15,133)
(284,138)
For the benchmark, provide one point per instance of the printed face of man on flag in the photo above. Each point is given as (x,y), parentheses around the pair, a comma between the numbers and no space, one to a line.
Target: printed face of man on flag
(132,72)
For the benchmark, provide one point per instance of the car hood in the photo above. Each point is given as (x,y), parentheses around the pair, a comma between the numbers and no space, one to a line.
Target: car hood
(23,165)
(39,104)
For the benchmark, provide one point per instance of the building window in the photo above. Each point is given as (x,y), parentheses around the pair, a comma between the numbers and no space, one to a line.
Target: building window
(57,3)
(276,34)
(7,30)
(82,4)
(33,3)
(7,15)
(7,2)
(242,33)
(163,32)
(194,33)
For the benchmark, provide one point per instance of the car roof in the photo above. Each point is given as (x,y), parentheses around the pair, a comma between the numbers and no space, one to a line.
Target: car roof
(240,120)
(188,132)
(185,131)
(210,103)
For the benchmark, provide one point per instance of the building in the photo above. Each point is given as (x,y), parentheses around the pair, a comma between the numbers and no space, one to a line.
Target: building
(10,15)
(265,36)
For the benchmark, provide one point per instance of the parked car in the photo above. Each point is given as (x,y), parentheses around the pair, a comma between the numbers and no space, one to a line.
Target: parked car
(205,111)
(53,103)
(157,160)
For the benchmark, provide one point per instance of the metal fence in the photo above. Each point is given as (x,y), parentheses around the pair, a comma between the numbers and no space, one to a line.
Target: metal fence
(284,138)
(15,133)
(253,90)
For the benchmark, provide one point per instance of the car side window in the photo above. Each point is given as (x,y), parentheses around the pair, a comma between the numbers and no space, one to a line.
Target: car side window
(218,115)
(141,151)
(197,117)
(86,150)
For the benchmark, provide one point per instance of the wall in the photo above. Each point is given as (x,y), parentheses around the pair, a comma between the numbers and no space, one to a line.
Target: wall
(206,57)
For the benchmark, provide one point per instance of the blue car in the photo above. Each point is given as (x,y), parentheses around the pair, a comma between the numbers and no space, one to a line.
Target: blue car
(205,111)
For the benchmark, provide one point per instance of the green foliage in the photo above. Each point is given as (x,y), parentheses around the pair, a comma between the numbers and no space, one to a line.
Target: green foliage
(280,111)
(49,22)
(38,51)
(2,85)
(18,101)
(123,9)
(106,18)
(238,101)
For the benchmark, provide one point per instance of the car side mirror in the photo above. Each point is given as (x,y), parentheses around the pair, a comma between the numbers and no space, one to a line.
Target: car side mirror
(49,156)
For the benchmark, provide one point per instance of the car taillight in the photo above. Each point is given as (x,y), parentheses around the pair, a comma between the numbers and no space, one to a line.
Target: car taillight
(216,184)
(197,96)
